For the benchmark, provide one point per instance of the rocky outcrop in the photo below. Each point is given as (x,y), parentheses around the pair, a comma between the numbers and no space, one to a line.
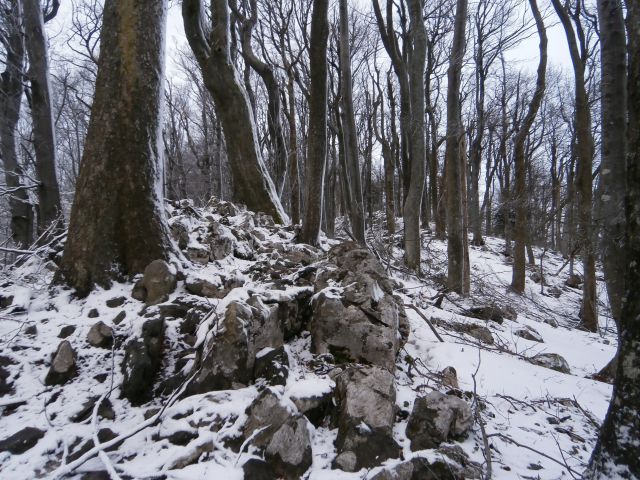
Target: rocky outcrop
(437,418)
(366,411)
(142,360)
(63,365)
(159,281)
(355,316)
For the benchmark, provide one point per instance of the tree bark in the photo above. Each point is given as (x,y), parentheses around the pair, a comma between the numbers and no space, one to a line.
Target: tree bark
(520,188)
(117,224)
(413,198)
(349,136)
(252,184)
(455,136)
(584,179)
(49,206)
(294,176)
(10,101)
(317,135)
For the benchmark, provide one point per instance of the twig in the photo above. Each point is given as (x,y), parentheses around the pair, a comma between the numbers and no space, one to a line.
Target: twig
(433,329)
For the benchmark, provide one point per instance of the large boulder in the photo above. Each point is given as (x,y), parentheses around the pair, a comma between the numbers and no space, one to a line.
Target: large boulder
(420,468)
(63,365)
(551,360)
(272,365)
(226,360)
(21,441)
(366,412)
(142,360)
(100,335)
(437,418)
(159,281)
(356,318)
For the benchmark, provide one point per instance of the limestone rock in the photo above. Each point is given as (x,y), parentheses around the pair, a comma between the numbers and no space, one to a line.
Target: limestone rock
(551,360)
(289,450)
(437,418)
(159,280)
(100,335)
(366,413)
(63,365)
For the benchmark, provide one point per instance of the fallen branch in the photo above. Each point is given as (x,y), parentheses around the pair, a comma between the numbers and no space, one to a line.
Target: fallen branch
(422,315)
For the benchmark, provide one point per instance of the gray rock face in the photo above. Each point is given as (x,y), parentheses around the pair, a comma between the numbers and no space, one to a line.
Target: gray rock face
(358,319)
(422,469)
(289,450)
(528,333)
(21,441)
(63,365)
(282,435)
(204,288)
(222,241)
(100,335)
(159,280)
(142,360)
(199,254)
(437,418)
(272,365)
(551,360)
(366,413)
(227,358)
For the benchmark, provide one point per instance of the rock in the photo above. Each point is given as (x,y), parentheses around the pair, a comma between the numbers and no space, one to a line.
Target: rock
(421,469)
(552,361)
(289,450)
(470,468)
(487,312)
(142,360)
(6,386)
(509,312)
(366,412)
(93,313)
(256,469)
(222,241)
(31,330)
(294,312)
(180,233)
(21,441)
(139,291)
(314,405)
(105,410)
(528,333)
(199,253)
(63,365)
(159,280)
(100,335)
(450,377)
(66,331)
(182,437)
(574,281)
(554,291)
(551,321)
(266,414)
(117,320)
(536,277)
(116,302)
(272,364)
(204,288)
(437,418)
(6,300)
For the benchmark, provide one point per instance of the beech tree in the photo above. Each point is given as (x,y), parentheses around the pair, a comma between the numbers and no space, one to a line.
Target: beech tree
(211,45)
(117,224)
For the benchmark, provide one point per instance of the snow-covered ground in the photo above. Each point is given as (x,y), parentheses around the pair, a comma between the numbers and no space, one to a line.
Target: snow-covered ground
(538,422)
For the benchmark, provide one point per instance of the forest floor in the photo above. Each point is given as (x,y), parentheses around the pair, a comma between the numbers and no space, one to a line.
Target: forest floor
(538,423)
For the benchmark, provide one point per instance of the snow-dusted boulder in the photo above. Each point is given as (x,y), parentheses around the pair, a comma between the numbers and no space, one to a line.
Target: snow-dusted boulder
(366,412)
(437,418)
(551,360)
(159,280)
(528,333)
(420,468)
(21,441)
(100,335)
(272,365)
(289,450)
(63,365)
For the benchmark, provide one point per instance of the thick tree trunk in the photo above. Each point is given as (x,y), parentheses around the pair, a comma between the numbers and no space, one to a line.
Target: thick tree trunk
(614,147)
(117,224)
(317,136)
(520,190)
(584,179)
(413,199)
(455,137)
(10,100)
(252,184)
(49,206)
(616,453)
(349,136)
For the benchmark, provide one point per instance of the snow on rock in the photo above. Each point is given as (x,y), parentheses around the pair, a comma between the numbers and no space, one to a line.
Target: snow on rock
(296,402)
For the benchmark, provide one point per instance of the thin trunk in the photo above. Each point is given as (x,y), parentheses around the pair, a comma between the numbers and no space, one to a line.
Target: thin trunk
(294,176)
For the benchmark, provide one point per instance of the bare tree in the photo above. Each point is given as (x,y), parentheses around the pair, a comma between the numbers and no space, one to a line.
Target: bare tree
(317,136)
(121,165)
(211,44)
(12,39)
(521,167)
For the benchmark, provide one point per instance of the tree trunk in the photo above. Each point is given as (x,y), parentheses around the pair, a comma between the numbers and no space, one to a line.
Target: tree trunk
(252,184)
(349,136)
(10,102)
(616,453)
(520,189)
(49,206)
(455,137)
(614,147)
(117,224)
(294,176)
(317,136)
(413,198)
